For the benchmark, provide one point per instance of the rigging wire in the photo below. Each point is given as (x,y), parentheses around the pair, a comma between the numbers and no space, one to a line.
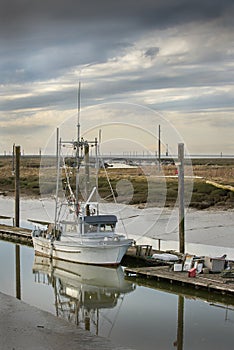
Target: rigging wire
(112,191)
(67,187)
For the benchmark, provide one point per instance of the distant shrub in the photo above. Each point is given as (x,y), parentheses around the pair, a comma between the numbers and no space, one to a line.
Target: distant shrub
(6,181)
(219,192)
(203,187)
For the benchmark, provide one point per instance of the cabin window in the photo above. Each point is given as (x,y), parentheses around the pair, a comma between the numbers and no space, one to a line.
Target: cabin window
(107,227)
(88,228)
(92,228)
(98,227)
(71,228)
(110,227)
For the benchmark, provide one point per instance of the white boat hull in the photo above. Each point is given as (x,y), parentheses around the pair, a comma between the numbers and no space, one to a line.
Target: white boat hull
(87,277)
(104,253)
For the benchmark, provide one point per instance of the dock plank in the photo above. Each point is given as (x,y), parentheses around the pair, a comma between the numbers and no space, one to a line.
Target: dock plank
(13,233)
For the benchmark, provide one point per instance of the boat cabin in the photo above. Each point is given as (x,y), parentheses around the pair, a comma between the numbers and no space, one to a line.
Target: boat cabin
(95,223)
(100,223)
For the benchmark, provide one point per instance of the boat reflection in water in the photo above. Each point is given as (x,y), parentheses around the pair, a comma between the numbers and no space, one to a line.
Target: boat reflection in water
(82,291)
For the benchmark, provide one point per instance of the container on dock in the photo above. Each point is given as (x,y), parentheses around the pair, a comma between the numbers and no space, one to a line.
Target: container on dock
(188,262)
(199,265)
(215,264)
(205,270)
(178,267)
(192,272)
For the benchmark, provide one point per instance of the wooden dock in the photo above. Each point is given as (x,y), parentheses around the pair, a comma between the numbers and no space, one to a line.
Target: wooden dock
(16,234)
(210,282)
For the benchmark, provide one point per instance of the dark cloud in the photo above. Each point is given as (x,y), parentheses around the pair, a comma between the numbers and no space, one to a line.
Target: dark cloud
(170,12)
(50,100)
(118,89)
(43,40)
(152,52)
(24,14)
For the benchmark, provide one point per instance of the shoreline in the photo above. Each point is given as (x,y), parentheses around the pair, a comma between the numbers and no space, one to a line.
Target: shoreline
(140,206)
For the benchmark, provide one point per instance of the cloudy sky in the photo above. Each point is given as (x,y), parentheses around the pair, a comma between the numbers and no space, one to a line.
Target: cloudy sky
(173,59)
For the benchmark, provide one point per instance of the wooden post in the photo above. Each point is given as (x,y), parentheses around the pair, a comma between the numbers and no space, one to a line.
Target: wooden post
(159,145)
(181,195)
(13,159)
(159,244)
(16,169)
(17,185)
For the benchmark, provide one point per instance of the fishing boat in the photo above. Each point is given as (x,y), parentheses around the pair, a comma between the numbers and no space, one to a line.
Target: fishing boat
(80,233)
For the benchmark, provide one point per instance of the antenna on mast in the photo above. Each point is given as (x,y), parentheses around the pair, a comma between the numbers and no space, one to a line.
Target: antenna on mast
(100,136)
(78,114)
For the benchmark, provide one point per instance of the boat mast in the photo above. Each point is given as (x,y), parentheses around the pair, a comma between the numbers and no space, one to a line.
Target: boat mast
(78,146)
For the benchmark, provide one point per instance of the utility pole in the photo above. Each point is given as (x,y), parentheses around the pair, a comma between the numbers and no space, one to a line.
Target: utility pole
(13,159)
(181,195)
(159,145)
(17,185)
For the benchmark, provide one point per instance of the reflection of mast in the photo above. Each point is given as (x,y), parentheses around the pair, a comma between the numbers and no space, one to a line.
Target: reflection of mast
(82,291)
(87,321)
(180,324)
(53,282)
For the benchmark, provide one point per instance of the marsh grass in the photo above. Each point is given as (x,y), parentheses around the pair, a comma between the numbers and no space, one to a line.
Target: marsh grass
(130,186)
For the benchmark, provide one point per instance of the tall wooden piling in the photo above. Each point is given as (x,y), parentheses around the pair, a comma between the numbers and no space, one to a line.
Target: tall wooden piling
(16,169)
(13,159)
(181,195)
(159,145)
(17,185)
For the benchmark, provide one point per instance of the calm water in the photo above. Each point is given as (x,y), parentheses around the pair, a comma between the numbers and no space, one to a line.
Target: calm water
(104,302)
